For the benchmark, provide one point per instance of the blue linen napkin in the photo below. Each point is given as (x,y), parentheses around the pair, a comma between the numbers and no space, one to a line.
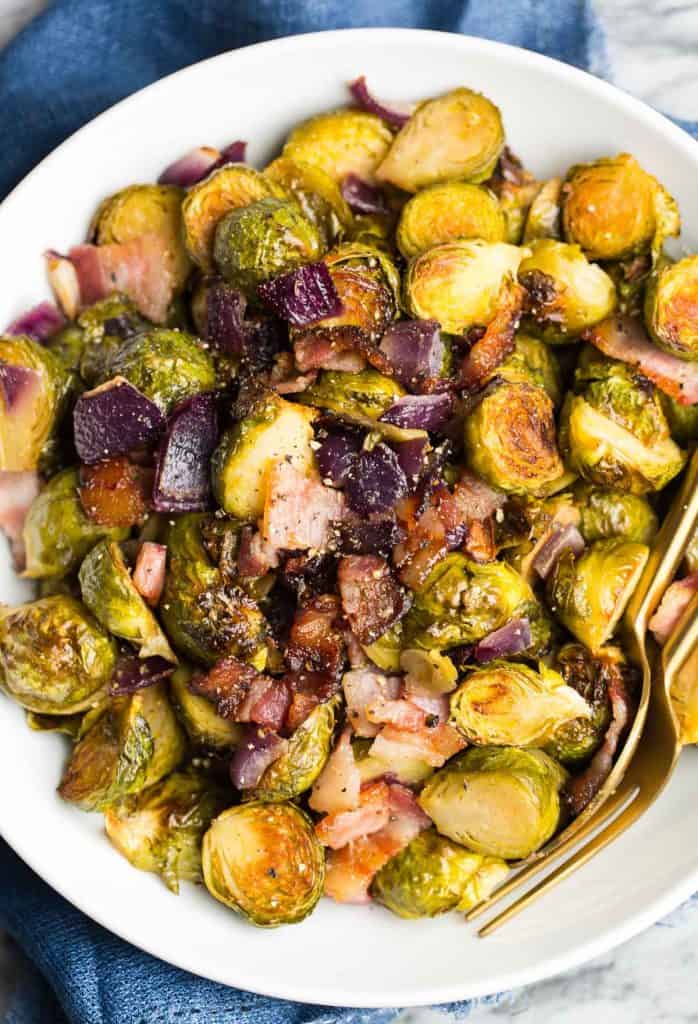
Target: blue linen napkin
(72,62)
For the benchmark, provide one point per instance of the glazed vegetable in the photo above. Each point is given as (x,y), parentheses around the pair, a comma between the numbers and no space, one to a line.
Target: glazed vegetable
(104,327)
(442,213)
(532,362)
(54,657)
(300,765)
(340,143)
(166,366)
(263,861)
(206,729)
(576,741)
(33,390)
(671,305)
(359,396)
(543,219)
(607,513)
(114,419)
(497,801)
(317,194)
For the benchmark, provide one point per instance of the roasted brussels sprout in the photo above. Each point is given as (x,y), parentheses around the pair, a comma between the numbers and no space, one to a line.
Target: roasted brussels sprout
(308,749)
(160,829)
(317,194)
(607,513)
(206,618)
(385,652)
(109,592)
(565,293)
(147,210)
(671,307)
(589,594)
(508,704)
(105,326)
(533,362)
(167,366)
(682,419)
(341,142)
(431,671)
(612,208)
(366,258)
(458,135)
(67,346)
(133,743)
(510,439)
(432,875)
(576,741)
(34,386)
(460,283)
(498,801)
(265,862)
(69,725)
(614,432)
(543,219)
(273,429)
(202,723)
(54,658)
(443,213)
(366,395)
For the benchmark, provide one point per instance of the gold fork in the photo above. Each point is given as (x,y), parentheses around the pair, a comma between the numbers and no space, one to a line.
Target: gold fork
(639,778)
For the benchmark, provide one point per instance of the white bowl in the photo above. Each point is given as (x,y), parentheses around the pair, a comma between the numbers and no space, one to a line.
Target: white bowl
(356,956)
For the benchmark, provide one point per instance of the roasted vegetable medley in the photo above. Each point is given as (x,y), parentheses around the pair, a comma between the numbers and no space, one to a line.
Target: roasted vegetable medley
(335,479)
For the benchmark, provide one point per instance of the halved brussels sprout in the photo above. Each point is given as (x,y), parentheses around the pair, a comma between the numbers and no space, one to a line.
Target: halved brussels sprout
(207,203)
(106,325)
(682,419)
(202,723)
(366,395)
(511,441)
(206,618)
(268,237)
(589,594)
(498,801)
(67,346)
(265,862)
(109,592)
(308,749)
(274,429)
(576,741)
(54,658)
(534,362)
(457,135)
(410,771)
(606,513)
(161,828)
(166,365)
(566,293)
(134,742)
(443,213)
(671,307)
(34,386)
(385,652)
(57,534)
(613,208)
(367,258)
(317,194)
(431,671)
(508,704)
(69,725)
(147,210)
(543,220)
(460,283)
(432,875)
(340,142)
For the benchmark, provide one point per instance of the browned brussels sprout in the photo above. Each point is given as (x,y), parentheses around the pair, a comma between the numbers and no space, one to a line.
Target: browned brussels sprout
(105,326)
(533,362)
(308,749)
(543,220)
(671,308)
(167,366)
(206,729)
(605,513)
(34,386)
(682,419)
(443,213)
(317,194)
(341,142)
(576,741)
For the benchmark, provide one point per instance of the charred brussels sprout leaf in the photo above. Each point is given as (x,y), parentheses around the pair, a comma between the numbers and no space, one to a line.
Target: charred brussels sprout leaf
(607,513)
(442,213)
(433,875)
(576,741)
(106,325)
(589,594)
(458,135)
(317,194)
(308,749)
(682,419)
(365,395)
(34,386)
(543,219)
(498,801)
(671,308)
(57,533)
(264,862)
(109,593)
(160,829)
(385,652)
(341,142)
(166,366)
(133,744)
(202,723)
(54,658)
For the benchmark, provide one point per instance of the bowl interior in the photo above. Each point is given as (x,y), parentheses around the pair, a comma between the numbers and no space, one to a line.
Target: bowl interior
(357,956)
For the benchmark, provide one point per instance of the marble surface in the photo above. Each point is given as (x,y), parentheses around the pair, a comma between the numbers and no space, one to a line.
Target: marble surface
(653,50)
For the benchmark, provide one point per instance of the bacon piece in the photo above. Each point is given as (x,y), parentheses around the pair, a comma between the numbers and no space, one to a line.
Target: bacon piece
(284,379)
(307,689)
(371,597)
(355,652)
(255,557)
(316,641)
(402,714)
(138,268)
(364,687)
(339,784)
(497,342)
(17,492)
(149,572)
(299,509)
(372,814)
(435,706)
(434,746)
(624,338)
(670,610)
(242,694)
(114,492)
(332,348)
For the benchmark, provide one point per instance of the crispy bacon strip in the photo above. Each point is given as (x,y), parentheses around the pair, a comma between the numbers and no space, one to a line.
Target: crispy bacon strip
(372,599)
(299,510)
(255,557)
(434,746)
(149,572)
(497,342)
(339,784)
(307,689)
(138,268)
(372,814)
(363,688)
(331,348)
(17,492)
(242,694)
(671,607)
(316,640)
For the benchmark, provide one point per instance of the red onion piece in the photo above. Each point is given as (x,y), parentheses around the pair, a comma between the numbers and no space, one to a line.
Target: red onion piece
(17,384)
(17,492)
(396,115)
(114,419)
(258,749)
(512,638)
(362,197)
(336,456)
(132,673)
(234,153)
(191,167)
(302,296)
(182,476)
(40,322)
(565,538)
(373,535)
(414,349)
(376,481)
(421,412)
(225,314)
(412,458)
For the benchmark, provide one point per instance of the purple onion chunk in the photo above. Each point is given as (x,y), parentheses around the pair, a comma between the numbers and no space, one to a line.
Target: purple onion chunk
(560,539)
(393,114)
(512,638)
(190,168)
(258,749)
(415,349)
(132,673)
(264,336)
(336,457)
(375,535)
(362,197)
(376,481)
(114,419)
(234,153)
(421,412)
(40,322)
(225,315)
(182,476)
(17,383)
(302,296)
(412,456)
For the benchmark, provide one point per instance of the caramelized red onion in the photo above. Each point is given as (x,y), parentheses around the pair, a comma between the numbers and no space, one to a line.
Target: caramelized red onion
(375,482)
(302,296)
(182,476)
(133,673)
(258,749)
(512,638)
(561,539)
(114,419)
(362,197)
(40,322)
(395,114)
(421,412)
(415,351)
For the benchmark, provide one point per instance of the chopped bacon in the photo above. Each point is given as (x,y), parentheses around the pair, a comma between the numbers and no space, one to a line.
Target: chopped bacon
(402,714)
(371,597)
(242,694)
(299,509)
(255,557)
(339,783)
(138,268)
(671,607)
(316,640)
(149,573)
(624,338)
(355,652)
(436,706)
(434,746)
(480,543)
(114,492)
(497,342)
(307,689)
(332,348)
(284,379)
(372,814)
(364,687)
(17,492)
